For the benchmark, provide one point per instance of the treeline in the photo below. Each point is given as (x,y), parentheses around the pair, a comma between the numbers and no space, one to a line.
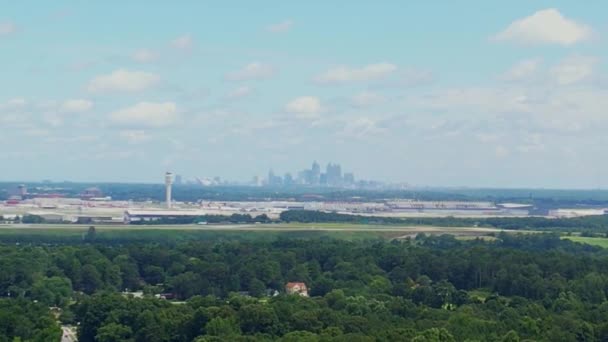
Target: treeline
(215,219)
(432,288)
(597,224)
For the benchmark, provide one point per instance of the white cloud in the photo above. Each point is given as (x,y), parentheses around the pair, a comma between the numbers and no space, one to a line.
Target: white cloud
(487,137)
(283,26)
(366,98)
(305,107)
(573,69)
(240,92)
(523,70)
(144,56)
(483,100)
(7,28)
(76,106)
(501,151)
(546,26)
(532,143)
(409,77)
(146,114)
(134,136)
(252,71)
(52,119)
(14,103)
(361,128)
(36,132)
(184,42)
(123,80)
(343,74)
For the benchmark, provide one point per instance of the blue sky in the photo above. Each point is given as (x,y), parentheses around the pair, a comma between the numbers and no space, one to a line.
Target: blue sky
(429,93)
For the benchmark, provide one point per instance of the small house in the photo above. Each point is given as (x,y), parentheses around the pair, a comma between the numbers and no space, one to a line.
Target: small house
(296,288)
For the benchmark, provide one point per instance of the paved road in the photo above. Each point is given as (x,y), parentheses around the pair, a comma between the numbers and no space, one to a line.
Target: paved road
(69,334)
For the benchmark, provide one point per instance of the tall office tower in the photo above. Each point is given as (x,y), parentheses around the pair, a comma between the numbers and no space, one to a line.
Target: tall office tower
(349,178)
(178,180)
(316,173)
(288,179)
(334,174)
(168,183)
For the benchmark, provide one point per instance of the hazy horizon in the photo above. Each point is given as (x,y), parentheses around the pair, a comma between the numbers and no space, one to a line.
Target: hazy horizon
(468,94)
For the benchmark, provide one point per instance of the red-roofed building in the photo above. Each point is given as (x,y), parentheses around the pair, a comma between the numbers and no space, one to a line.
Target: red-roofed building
(297,288)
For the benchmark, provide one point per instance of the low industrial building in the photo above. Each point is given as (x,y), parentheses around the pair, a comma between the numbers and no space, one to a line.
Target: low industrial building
(569,213)
(151,215)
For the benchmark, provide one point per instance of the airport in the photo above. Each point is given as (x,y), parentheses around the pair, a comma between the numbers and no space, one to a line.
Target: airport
(91,206)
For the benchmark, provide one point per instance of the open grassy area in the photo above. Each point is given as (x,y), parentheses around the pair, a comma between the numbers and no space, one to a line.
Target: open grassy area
(142,234)
(63,233)
(594,241)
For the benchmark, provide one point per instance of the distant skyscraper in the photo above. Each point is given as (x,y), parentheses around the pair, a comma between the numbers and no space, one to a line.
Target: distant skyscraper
(22,188)
(288,179)
(305,177)
(178,180)
(334,174)
(323,179)
(274,180)
(316,173)
(349,178)
(257,181)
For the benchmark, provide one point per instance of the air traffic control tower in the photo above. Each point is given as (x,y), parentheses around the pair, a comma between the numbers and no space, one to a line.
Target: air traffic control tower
(168,184)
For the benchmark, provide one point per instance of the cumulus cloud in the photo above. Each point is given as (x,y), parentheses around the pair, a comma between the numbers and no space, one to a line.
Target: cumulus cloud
(144,56)
(343,74)
(281,27)
(409,77)
(366,98)
(361,128)
(76,106)
(531,143)
(501,151)
(251,71)
(305,107)
(146,114)
(134,136)
(240,92)
(52,119)
(123,80)
(7,28)
(184,42)
(523,70)
(14,103)
(482,99)
(546,26)
(573,69)
(558,111)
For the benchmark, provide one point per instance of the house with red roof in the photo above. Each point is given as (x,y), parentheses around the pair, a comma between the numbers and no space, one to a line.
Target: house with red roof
(296,288)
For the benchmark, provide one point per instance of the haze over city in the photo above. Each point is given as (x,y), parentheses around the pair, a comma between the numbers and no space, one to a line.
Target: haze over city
(430,93)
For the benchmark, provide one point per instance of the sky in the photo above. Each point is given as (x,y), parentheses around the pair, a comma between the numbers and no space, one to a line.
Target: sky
(435,93)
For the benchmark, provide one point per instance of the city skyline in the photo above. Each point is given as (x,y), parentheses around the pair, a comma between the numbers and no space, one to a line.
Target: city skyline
(429,93)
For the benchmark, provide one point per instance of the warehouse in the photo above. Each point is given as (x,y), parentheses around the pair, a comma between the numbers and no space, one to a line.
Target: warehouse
(151,215)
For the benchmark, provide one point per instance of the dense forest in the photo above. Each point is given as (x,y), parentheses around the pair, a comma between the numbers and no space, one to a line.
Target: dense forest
(535,287)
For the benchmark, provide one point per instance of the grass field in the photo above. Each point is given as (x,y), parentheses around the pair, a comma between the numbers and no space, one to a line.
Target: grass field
(175,235)
(594,241)
(170,233)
